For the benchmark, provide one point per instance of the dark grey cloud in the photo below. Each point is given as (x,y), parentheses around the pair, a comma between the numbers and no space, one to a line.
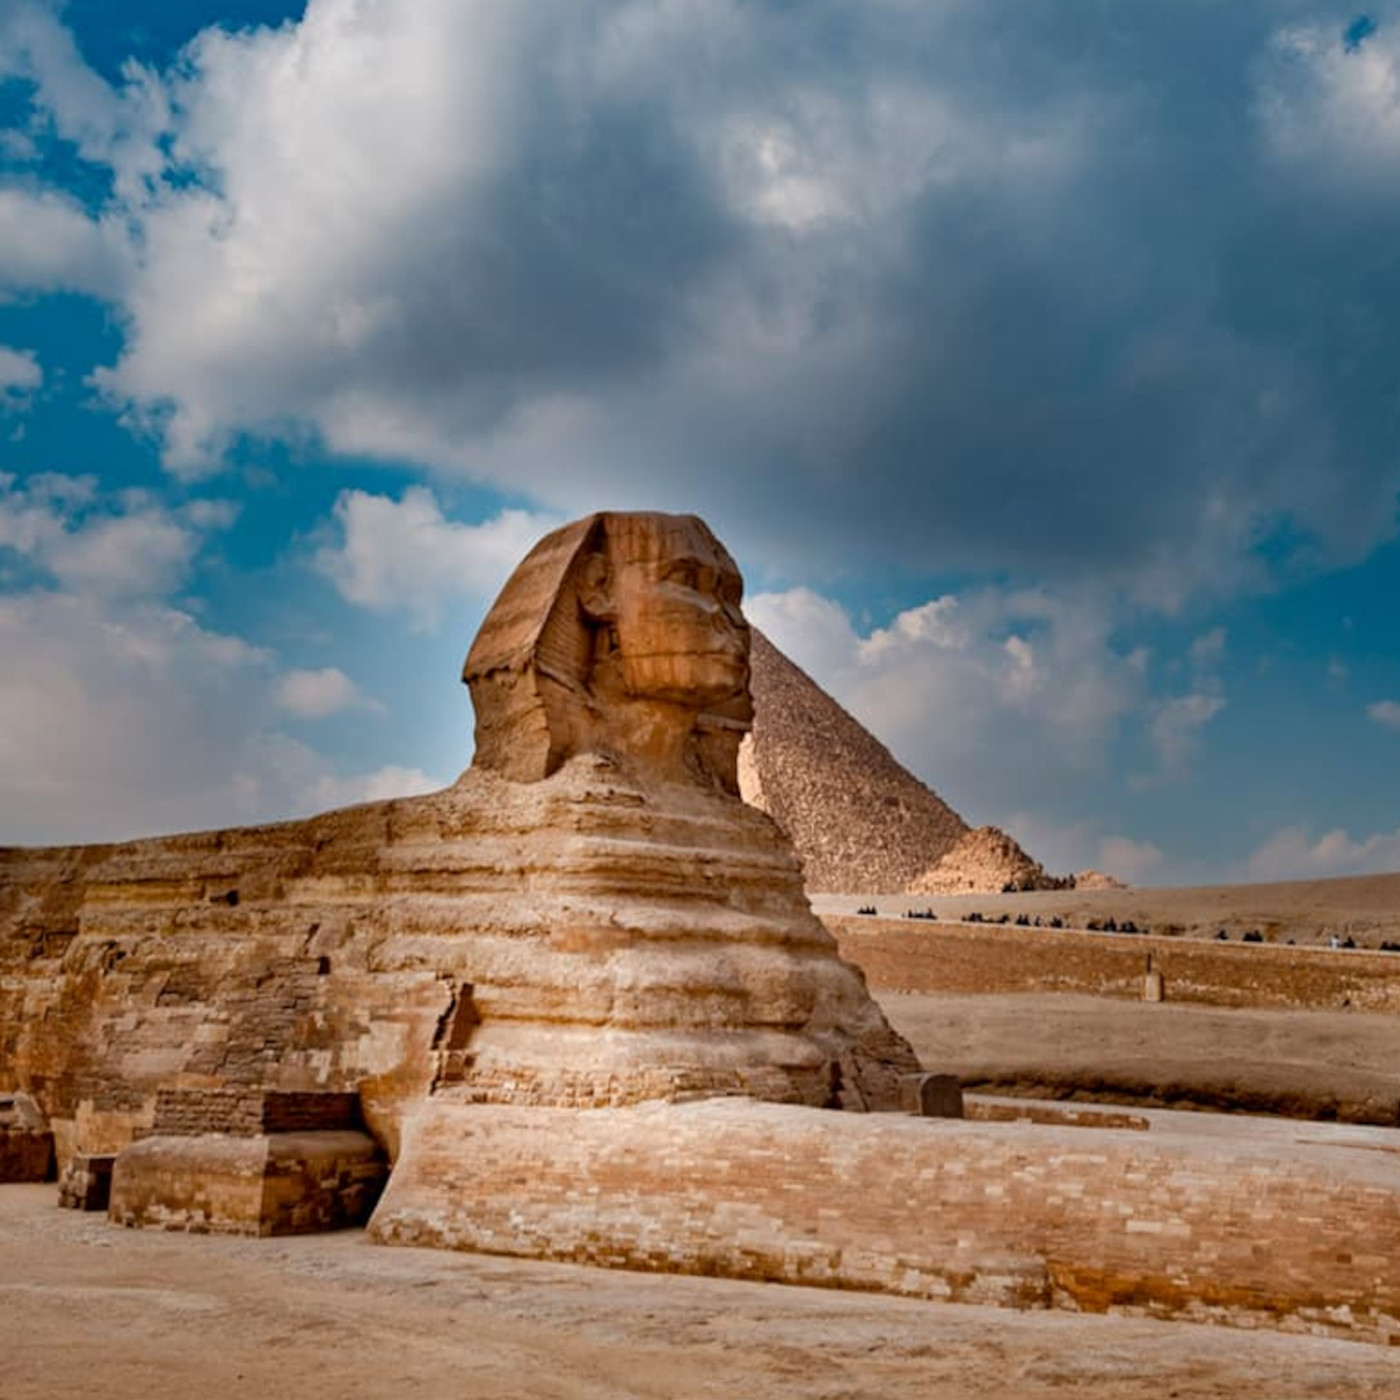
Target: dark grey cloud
(1083,289)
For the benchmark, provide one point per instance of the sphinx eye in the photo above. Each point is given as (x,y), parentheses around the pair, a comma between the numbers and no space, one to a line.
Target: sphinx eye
(683,574)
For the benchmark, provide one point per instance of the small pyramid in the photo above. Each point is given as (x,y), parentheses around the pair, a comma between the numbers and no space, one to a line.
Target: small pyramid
(985,861)
(860,821)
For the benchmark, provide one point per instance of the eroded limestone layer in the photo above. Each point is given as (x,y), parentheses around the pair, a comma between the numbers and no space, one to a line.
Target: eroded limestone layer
(583,940)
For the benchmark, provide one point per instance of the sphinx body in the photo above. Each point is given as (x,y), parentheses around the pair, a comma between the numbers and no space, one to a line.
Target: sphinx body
(588,917)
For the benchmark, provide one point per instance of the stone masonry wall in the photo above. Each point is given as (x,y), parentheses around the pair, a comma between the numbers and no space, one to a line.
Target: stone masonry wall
(1270,1232)
(248,1112)
(918,956)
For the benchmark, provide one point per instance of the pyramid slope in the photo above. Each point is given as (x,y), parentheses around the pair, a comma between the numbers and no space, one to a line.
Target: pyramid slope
(859,820)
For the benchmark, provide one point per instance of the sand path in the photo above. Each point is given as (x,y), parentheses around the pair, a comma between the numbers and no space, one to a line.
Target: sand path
(87,1310)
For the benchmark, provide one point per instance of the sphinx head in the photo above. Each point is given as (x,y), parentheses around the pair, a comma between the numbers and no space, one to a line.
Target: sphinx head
(620,635)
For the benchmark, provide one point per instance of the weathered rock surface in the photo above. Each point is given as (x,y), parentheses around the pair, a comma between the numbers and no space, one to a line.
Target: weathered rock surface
(860,822)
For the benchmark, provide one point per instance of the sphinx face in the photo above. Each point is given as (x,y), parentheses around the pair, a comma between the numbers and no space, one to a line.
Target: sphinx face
(676,629)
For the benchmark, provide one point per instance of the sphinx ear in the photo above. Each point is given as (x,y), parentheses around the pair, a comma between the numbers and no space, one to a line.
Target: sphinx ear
(595,589)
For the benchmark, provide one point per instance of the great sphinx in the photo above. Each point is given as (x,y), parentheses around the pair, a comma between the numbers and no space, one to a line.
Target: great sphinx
(588,917)
(576,1006)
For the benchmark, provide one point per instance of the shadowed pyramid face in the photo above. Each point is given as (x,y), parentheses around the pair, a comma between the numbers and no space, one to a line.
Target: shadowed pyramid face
(676,630)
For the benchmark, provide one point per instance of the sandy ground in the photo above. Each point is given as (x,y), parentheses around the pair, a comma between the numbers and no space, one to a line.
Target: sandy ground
(1173,1053)
(1308,911)
(87,1310)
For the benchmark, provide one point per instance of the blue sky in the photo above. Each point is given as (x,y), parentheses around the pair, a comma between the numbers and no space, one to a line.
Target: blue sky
(1039,363)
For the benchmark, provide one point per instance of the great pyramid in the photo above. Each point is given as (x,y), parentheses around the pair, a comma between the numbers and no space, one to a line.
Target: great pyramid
(859,820)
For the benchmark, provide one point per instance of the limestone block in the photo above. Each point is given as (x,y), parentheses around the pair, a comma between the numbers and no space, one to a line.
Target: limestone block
(264,1184)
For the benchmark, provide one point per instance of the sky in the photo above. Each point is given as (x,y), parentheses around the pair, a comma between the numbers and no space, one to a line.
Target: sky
(1038,362)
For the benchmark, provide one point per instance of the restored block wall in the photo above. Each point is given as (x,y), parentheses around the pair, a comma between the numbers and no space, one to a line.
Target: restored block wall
(906,955)
(248,1112)
(220,963)
(1236,1231)
(270,1184)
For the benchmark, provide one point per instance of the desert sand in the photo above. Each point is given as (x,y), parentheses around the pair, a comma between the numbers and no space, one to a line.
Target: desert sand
(1169,1054)
(1308,911)
(93,1311)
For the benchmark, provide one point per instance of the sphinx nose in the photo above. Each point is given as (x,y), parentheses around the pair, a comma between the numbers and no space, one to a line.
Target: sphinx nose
(731,616)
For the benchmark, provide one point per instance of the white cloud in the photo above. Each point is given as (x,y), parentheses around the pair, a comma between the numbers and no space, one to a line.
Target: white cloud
(125,718)
(134,547)
(1386,713)
(1174,728)
(121,715)
(1208,650)
(1292,854)
(1334,108)
(47,243)
(1067,847)
(316,694)
(121,720)
(1130,861)
(383,783)
(813,632)
(405,555)
(20,377)
(141,553)
(997,698)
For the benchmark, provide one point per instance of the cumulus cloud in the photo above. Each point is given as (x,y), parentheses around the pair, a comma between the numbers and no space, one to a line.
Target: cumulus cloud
(131,546)
(975,287)
(389,781)
(998,698)
(122,714)
(1175,729)
(127,717)
(20,377)
(1133,862)
(1293,854)
(1386,713)
(122,720)
(1066,847)
(1208,651)
(317,694)
(405,555)
(48,243)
